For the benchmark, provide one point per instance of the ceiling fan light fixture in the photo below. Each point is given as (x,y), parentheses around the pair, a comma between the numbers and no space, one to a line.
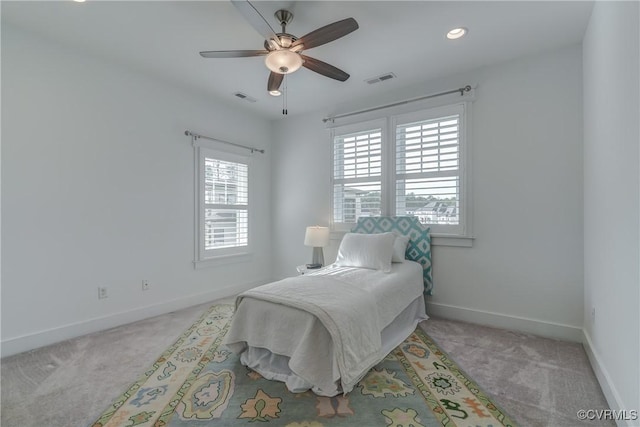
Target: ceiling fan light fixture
(283,61)
(456,33)
(275,93)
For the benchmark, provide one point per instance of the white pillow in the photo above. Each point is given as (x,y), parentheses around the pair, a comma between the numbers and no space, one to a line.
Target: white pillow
(366,251)
(399,248)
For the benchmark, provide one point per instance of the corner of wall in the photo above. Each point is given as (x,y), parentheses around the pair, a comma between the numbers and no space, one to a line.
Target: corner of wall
(604,379)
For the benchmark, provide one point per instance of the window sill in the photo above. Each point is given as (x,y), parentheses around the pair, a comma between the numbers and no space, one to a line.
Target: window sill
(450,240)
(223,260)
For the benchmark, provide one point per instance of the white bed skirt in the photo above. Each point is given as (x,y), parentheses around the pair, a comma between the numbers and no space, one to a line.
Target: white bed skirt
(277,366)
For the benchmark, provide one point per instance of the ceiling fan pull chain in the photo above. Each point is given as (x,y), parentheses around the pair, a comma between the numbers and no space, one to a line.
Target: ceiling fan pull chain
(285,94)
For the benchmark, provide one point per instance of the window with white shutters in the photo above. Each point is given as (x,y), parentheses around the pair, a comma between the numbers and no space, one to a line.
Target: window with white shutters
(226,194)
(416,169)
(428,169)
(223,204)
(357,175)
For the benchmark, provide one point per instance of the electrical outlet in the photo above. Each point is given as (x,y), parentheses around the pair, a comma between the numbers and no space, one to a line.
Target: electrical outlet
(145,285)
(102,292)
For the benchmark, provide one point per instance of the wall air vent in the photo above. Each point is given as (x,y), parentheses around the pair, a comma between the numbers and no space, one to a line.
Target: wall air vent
(244,97)
(382,78)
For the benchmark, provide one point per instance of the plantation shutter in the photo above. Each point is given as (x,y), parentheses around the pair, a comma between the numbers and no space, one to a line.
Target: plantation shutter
(428,171)
(226,203)
(357,175)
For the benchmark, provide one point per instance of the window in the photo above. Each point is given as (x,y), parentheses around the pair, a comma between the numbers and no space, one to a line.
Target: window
(416,169)
(357,175)
(223,204)
(428,168)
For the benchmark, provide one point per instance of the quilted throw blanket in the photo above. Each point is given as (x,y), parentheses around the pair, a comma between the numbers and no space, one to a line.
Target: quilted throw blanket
(347,312)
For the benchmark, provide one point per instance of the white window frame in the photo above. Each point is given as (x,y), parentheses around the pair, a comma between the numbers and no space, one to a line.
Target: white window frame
(217,256)
(430,114)
(351,129)
(460,235)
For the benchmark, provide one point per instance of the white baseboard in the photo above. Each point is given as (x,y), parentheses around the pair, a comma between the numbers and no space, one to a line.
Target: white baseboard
(24,343)
(545,329)
(606,384)
(504,321)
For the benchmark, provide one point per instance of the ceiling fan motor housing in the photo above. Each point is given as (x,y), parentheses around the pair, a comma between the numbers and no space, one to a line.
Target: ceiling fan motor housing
(286,40)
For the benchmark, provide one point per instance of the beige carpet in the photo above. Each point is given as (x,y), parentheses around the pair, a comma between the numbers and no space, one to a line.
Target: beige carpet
(539,382)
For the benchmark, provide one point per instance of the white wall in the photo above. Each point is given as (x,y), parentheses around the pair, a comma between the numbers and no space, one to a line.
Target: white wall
(611,187)
(525,269)
(98,190)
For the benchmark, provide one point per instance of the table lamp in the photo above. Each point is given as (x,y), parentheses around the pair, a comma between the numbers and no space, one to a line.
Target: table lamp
(316,237)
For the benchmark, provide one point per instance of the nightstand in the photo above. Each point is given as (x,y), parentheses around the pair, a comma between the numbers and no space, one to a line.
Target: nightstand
(302,269)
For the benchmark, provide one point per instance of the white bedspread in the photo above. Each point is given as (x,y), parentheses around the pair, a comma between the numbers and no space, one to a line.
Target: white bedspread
(342,310)
(347,312)
(392,291)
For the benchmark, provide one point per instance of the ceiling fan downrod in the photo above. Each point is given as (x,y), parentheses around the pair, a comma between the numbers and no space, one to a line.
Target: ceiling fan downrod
(283,17)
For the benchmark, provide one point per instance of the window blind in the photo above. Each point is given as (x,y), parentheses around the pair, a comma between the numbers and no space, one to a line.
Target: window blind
(226,204)
(411,164)
(428,170)
(357,175)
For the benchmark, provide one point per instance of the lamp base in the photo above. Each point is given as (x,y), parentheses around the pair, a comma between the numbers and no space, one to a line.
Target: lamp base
(318,257)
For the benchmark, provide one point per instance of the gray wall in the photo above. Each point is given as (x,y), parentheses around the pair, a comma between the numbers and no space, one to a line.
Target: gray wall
(524,270)
(98,190)
(612,200)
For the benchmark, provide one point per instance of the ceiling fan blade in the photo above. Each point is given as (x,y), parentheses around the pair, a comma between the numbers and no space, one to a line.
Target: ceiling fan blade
(274,82)
(327,34)
(324,68)
(257,21)
(232,53)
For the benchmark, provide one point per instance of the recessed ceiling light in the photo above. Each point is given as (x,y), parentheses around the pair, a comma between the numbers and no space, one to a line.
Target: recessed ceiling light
(456,33)
(79,1)
(275,93)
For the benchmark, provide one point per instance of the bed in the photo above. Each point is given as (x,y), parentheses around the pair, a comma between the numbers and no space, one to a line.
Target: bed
(325,330)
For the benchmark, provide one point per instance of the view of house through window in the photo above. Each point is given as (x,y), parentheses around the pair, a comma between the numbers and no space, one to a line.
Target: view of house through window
(417,170)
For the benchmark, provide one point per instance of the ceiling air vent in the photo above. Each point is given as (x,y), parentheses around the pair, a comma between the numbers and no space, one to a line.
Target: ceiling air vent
(382,78)
(244,97)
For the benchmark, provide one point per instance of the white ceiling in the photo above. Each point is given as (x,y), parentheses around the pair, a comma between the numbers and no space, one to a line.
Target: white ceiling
(403,37)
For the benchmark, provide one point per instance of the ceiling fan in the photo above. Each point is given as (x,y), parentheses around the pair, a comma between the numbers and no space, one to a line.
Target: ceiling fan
(283,51)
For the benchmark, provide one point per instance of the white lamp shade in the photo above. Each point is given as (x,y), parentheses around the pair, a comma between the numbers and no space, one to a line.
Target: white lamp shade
(317,237)
(283,61)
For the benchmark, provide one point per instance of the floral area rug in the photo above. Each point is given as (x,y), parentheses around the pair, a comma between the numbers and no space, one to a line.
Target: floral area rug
(199,382)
